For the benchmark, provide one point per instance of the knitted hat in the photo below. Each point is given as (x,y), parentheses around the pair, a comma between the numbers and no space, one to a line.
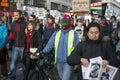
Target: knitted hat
(66,21)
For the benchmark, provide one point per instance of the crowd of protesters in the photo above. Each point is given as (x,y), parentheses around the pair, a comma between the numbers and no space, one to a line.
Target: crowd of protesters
(26,35)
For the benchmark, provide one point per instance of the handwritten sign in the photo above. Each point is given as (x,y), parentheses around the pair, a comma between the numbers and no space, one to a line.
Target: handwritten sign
(81,5)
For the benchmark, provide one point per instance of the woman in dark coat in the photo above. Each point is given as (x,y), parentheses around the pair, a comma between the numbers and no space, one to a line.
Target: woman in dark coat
(92,47)
(33,45)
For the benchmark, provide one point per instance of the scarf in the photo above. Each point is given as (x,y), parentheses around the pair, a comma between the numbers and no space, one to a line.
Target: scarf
(50,25)
(28,41)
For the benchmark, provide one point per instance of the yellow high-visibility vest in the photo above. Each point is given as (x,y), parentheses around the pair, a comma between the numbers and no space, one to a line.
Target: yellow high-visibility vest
(70,42)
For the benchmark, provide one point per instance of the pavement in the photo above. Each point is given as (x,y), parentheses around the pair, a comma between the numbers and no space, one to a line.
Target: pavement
(19,71)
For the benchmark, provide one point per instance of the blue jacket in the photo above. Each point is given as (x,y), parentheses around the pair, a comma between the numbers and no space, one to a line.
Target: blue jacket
(63,45)
(3,35)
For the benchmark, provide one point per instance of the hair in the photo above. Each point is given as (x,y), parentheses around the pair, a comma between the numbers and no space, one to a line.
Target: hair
(79,20)
(103,17)
(51,17)
(113,17)
(93,24)
(40,20)
(20,12)
(33,24)
(33,16)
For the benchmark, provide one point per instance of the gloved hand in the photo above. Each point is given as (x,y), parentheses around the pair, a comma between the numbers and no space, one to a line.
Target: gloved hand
(75,68)
(106,38)
(33,57)
(41,54)
(83,38)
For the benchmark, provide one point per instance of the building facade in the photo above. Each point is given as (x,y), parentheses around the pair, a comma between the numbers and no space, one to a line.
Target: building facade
(35,3)
(61,5)
(113,7)
(96,7)
(17,3)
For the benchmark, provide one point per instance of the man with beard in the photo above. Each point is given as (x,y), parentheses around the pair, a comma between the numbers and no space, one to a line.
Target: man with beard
(17,34)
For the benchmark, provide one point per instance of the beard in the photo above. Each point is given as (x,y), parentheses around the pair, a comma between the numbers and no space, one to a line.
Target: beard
(17,19)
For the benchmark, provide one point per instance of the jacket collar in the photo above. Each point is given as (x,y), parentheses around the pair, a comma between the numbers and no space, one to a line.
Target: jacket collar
(33,33)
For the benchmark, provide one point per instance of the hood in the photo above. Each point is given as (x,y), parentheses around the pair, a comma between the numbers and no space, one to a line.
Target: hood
(66,22)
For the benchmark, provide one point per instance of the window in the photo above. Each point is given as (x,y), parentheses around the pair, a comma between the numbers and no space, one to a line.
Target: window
(64,8)
(54,6)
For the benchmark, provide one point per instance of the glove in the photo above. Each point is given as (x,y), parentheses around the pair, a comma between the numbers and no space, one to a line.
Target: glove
(83,38)
(106,38)
(41,54)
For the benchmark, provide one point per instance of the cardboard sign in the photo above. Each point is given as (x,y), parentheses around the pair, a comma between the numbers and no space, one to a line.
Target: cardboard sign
(81,5)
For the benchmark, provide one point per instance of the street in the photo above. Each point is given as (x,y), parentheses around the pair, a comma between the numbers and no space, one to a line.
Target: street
(19,71)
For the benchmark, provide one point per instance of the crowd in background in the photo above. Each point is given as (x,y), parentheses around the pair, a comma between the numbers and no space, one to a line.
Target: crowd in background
(23,33)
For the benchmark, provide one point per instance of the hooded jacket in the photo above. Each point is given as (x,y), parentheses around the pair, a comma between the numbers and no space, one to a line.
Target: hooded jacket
(62,52)
(93,49)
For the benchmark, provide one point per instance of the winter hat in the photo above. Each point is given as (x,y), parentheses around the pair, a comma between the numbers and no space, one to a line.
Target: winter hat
(66,22)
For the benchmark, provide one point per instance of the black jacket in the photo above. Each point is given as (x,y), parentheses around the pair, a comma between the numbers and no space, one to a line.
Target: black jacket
(105,31)
(90,49)
(36,40)
(18,30)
